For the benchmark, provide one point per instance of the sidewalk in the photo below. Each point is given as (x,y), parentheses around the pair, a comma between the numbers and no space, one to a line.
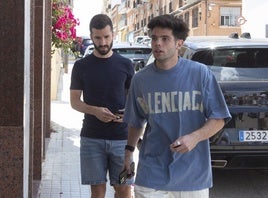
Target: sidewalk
(61,167)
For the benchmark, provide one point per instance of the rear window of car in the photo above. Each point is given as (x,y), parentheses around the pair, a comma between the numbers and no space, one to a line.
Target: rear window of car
(87,41)
(238,58)
(133,52)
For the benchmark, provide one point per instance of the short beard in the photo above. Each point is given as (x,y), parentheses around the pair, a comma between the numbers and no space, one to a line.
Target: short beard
(101,51)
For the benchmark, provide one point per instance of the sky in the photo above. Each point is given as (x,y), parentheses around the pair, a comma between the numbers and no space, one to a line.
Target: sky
(84,10)
(256,24)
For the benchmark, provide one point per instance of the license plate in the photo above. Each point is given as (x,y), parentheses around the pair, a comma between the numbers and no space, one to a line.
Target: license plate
(253,136)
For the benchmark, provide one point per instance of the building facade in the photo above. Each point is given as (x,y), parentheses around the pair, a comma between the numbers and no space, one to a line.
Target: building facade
(204,17)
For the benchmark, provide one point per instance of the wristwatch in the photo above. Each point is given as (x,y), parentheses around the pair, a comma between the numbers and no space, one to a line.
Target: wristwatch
(130,148)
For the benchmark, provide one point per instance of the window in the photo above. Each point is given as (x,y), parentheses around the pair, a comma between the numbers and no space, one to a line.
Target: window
(180,3)
(123,20)
(149,18)
(170,7)
(237,58)
(195,17)
(186,18)
(229,16)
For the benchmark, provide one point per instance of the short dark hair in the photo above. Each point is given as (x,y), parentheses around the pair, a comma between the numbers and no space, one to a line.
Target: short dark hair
(100,21)
(179,28)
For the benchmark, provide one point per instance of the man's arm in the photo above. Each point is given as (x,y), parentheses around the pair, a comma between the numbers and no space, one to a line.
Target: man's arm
(187,142)
(102,113)
(133,137)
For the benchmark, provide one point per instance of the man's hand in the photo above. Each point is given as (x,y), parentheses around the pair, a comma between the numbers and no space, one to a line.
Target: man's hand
(104,114)
(119,115)
(185,143)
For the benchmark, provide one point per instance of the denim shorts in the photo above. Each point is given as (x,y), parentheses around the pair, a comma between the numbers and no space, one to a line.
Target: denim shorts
(100,157)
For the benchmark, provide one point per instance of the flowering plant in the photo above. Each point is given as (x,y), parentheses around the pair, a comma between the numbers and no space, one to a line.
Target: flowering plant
(63,26)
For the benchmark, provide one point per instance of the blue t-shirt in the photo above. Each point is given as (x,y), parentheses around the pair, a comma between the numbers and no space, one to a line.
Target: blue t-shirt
(174,102)
(104,83)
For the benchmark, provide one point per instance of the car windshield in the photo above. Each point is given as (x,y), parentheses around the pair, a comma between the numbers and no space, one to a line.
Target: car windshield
(87,42)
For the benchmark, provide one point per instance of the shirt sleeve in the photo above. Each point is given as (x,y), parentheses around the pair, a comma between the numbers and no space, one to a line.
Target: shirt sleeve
(215,105)
(134,115)
(76,81)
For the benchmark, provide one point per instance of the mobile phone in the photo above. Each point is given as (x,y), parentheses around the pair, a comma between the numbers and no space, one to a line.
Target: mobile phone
(124,175)
(120,113)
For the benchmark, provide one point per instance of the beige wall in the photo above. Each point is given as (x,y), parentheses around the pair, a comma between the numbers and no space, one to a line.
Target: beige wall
(56,68)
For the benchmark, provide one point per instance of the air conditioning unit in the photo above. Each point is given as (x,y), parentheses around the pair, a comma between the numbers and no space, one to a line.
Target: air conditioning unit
(189,1)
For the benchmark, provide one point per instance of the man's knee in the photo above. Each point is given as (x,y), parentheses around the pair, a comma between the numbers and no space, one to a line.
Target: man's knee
(123,191)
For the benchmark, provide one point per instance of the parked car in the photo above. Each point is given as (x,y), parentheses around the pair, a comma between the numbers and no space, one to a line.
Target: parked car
(89,50)
(135,52)
(140,39)
(241,68)
(86,41)
(80,44)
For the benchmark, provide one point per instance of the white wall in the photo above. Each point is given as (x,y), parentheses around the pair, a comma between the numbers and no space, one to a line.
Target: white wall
(256,14)
(84,10)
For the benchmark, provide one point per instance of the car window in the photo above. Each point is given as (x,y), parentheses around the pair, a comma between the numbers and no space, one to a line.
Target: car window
(87,42)
(238,58)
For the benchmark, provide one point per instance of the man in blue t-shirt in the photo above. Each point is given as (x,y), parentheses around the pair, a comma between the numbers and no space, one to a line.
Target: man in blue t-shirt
(103,79)
(183,106)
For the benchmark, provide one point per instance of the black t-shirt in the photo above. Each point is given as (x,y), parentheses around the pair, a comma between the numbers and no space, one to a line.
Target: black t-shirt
(104,82)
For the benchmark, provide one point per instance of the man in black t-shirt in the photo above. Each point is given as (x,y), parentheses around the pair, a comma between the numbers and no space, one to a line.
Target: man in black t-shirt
(102,78)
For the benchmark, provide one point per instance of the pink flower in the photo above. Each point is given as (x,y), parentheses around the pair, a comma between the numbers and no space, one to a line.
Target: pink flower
(63,25)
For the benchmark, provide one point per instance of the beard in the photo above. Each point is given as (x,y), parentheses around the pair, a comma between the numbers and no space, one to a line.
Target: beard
(103,49)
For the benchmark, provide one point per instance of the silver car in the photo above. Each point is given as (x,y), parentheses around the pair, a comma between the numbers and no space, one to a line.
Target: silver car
(241,68)
(137,53)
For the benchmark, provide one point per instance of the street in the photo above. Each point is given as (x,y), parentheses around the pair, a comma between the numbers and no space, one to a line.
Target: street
(240,184)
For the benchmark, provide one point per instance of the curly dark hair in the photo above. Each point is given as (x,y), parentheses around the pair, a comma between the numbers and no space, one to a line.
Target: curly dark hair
(179,28)
(100,21)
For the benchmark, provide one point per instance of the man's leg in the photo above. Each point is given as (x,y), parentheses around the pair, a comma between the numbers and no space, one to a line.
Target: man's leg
(98,191)
(122,191)
(116,163)
(93,161)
